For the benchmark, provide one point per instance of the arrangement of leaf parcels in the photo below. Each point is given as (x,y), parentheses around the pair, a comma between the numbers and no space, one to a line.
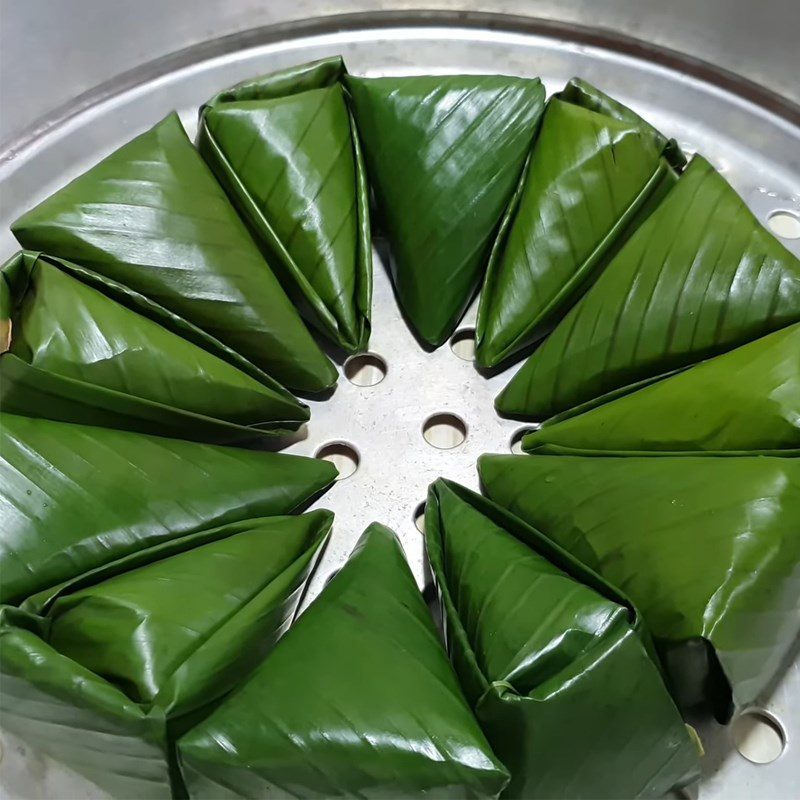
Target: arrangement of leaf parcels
(747,400)
(82,348)
(707,548)
(284,147)
(444,154)
(106,672)
(552,659)
(698,278)
(152,217)
(76,498)
(596,171)
(357,700)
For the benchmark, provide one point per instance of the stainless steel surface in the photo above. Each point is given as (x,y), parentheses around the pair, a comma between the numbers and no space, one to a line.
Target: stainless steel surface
(51,52)
(758,151)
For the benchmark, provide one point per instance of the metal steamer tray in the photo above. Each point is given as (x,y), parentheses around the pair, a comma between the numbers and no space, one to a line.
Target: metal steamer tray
(423,415)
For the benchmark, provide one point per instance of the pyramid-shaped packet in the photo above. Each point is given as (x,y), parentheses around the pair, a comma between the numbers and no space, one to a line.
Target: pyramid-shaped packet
(596,171)
(698,278)
(552,658)
(81,348)
(105,674)
(444,155)
(284,147)
(77,497)
(357,700)
(746,400)
(708,549)
(152,217)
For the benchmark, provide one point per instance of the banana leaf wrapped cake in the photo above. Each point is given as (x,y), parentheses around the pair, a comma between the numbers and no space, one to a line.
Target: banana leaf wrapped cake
(107,670)
(149,584)
(444,154)
(152,217)
(744,401)
(357,700)
(596,171)
(698,278)
(553,660)
(285,148)
(77,497)
(82,348)
(707,548)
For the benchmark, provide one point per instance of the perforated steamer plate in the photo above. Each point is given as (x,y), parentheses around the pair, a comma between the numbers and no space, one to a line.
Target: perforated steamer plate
(751,136)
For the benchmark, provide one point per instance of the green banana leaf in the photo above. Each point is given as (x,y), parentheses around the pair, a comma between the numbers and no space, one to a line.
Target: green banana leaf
(285,148)
(746,400)
(108,672)
(444,155)
(152,216)
(552,659)
(357,700)
(594,175)
(581,93)
(708,549)
(77,497)
(699,277)
(77,355)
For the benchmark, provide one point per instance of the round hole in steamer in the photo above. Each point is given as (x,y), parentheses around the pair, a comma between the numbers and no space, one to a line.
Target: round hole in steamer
(365,369)
(444,431)
(342,455)
(785,224)
(758,736)
(515,443)
(419,517)
(462,343)
(678,794)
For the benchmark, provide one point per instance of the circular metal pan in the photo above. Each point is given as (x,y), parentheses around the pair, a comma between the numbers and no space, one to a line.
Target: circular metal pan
(425,415)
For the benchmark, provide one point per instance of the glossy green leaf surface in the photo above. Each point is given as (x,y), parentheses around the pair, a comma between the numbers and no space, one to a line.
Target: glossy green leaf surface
(152,216)
(78,718)
(77,355)
(699,277)
(285,148)
(708,549)
(593,177)
(552,660)
(444,155)
(77,497)
(581,93)
(357,700)
(142,648)
(134,627)
(746,400)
